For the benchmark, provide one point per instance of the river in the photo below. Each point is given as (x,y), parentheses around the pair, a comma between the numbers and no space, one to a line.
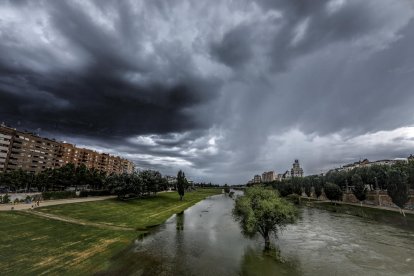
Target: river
(205,240)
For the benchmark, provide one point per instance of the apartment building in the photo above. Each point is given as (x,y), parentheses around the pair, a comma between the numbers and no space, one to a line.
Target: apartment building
(29,152)
(257,179)
(128,166)
(268,176)
(6,141)
(366,163)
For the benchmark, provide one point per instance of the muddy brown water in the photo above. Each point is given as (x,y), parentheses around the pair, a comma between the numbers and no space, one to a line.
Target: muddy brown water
(205,240)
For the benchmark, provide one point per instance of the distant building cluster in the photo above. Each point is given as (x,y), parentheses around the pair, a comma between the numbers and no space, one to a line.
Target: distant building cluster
(270,176)
(32,153)
(366,163)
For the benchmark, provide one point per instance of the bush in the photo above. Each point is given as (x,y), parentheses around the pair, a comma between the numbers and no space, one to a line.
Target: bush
(94,193)
(83,194)
(58,195)
(294,198)
(5,199)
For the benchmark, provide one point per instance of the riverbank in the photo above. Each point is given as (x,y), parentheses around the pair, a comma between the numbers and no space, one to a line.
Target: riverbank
(86,235)
(384,215)
(26,206)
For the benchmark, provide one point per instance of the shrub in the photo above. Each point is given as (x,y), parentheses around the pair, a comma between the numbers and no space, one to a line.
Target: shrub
(294,198)
(94,193)
(58,195)
(6,199)
(83,194)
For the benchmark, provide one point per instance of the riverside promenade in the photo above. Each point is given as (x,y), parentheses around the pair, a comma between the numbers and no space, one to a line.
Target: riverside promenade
(26,206)
(393,209)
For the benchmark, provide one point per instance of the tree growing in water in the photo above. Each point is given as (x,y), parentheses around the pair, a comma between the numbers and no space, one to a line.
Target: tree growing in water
(181,184)
(398,188)
(263,212)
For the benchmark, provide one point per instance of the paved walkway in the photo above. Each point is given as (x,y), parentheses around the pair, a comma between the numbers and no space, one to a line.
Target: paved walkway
(24,206)
(365,205)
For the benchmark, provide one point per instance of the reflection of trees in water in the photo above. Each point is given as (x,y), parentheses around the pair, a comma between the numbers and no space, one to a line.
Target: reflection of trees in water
(269,262)
(179,220)
(180,252)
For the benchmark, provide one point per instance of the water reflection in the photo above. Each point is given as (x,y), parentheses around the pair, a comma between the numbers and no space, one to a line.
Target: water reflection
(205,240)
(263,263)
(179,220)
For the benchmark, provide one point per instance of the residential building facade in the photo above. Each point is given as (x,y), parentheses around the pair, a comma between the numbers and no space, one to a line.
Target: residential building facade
(257,179)
(6,141)
(32,153)
(268,176)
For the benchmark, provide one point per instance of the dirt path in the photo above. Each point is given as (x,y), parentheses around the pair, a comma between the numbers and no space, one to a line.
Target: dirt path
(77,221)
(23,206)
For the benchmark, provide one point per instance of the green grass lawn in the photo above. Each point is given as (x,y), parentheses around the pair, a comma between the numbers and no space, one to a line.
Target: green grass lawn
(32,245)
(138,214)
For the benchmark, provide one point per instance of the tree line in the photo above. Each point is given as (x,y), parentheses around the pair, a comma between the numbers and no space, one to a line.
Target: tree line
(53,179)
(396,180)
(71,176)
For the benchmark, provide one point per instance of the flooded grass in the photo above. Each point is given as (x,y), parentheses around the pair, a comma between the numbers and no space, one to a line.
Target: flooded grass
(139,213)
(33,245)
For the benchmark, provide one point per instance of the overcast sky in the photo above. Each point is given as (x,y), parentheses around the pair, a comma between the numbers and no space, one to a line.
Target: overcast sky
(221,89)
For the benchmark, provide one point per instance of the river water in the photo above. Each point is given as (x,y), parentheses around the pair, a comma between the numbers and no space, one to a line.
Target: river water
(205,240)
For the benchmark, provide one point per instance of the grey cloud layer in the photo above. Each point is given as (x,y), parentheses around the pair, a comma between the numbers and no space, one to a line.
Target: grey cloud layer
(203,85)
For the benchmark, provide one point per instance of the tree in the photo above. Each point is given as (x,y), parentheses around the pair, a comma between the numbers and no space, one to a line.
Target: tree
(398,188)
(226,188)
(410,172)
(307,186)
(317,185)
(297,185)
(152,180)
(359,190)
(332,191)
(81,176)
(284,188)
(181,184)
(380,175)
(262,211)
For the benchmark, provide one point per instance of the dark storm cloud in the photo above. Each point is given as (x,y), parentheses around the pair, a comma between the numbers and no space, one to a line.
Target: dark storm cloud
(100,98)
(224,90)
(234,49)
